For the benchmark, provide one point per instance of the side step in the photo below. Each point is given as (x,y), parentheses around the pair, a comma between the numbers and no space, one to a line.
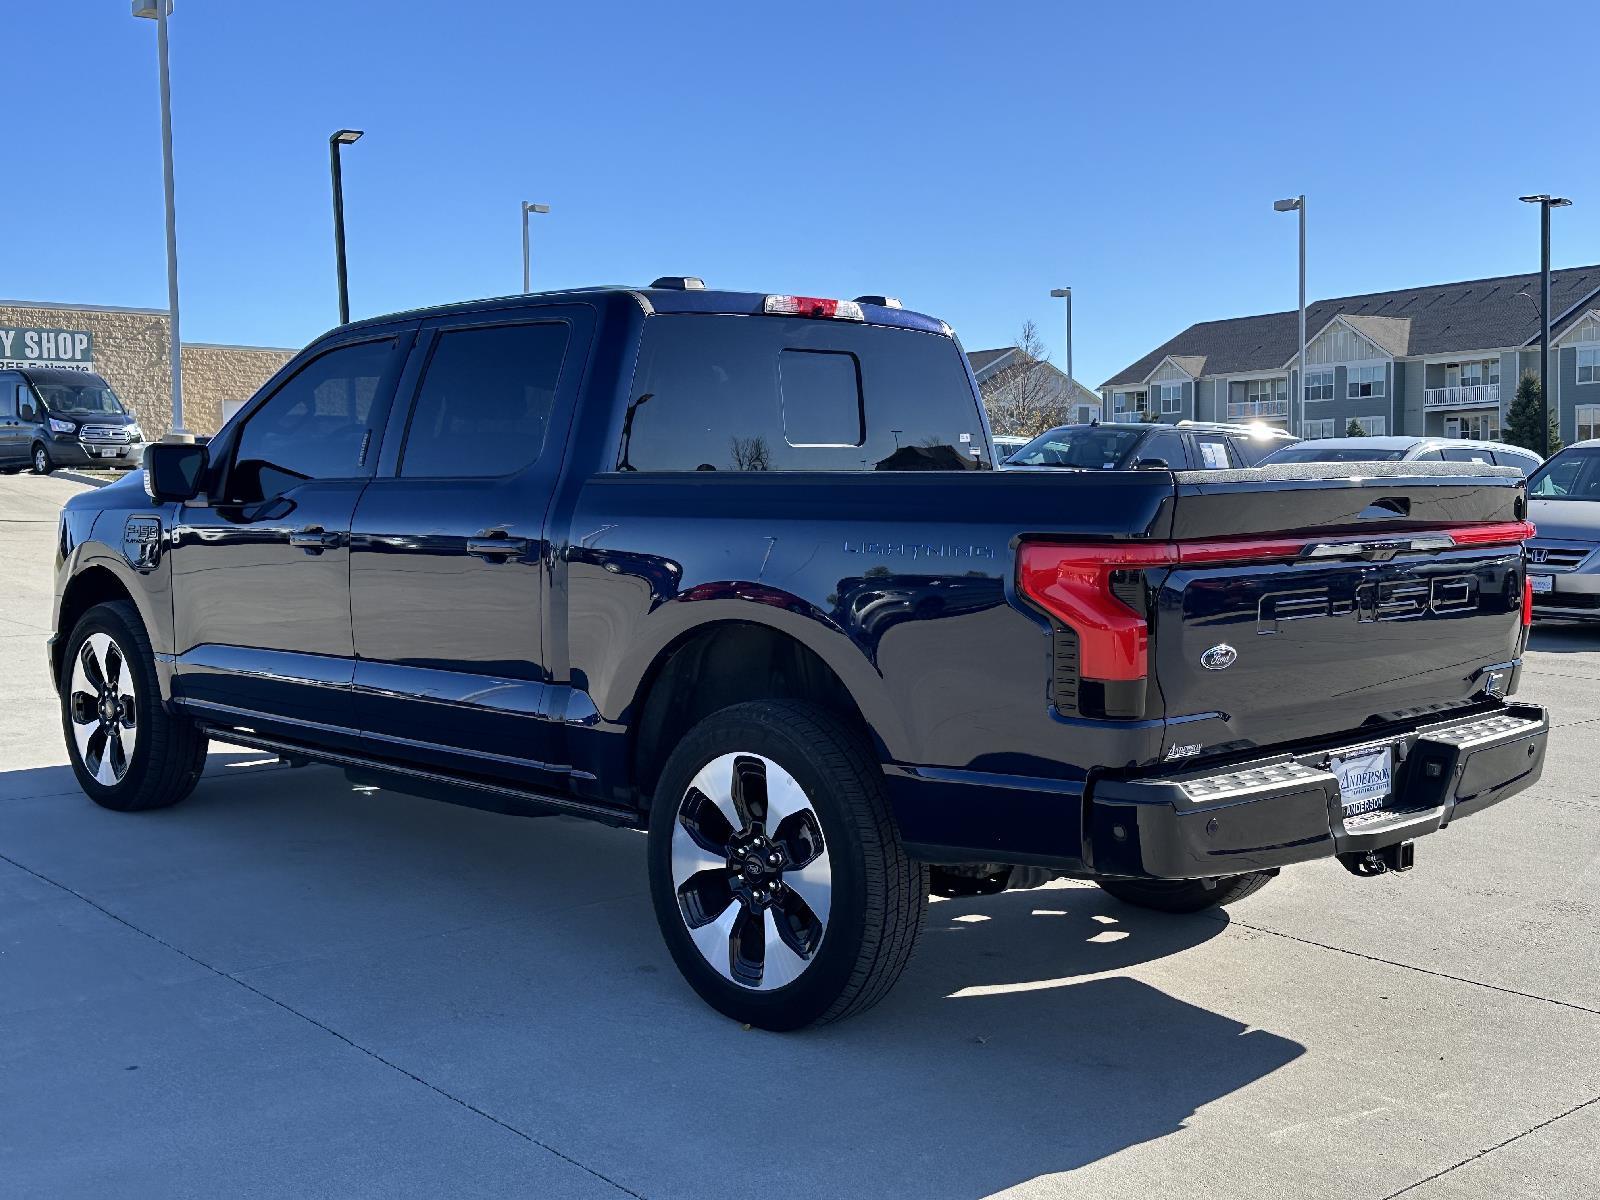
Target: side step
(464,790)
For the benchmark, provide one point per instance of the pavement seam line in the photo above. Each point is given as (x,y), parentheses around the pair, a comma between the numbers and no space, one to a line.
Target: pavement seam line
(1389,962)
(328,1029)
(1497,1146)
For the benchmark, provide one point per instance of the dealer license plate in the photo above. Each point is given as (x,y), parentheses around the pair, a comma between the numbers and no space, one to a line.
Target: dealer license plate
(1542,584)
(1365,780)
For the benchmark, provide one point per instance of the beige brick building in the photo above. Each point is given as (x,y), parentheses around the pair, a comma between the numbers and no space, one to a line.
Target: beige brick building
(128,347)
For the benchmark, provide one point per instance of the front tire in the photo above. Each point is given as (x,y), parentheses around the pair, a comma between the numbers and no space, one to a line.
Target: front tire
(1186,895)
(41,460)
(128,752)
(777,873)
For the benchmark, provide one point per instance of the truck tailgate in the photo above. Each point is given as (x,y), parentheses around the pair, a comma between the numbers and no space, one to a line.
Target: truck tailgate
(1344,602)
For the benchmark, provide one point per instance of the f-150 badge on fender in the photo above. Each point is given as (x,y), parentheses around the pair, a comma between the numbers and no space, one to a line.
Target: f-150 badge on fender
(1219,658)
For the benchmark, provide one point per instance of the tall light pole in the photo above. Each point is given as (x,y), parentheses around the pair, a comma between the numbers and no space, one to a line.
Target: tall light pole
(1298,204)
(1066,294)
(528,207)
(1545,203)
(340,138)
(159,10)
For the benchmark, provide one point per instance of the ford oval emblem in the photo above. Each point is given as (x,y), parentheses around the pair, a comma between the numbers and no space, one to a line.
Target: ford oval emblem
(1219,658)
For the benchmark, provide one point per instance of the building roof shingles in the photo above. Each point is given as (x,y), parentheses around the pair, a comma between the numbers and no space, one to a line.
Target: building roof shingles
(1475,314)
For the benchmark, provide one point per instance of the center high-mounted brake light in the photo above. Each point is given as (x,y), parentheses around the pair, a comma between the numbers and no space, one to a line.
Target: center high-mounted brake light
(813,306)
(1074,583)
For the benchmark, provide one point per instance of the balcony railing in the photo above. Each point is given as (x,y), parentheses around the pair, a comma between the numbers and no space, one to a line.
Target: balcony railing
(1471,395)
(1244,409)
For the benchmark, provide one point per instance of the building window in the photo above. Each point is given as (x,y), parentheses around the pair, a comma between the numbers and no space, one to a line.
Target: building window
(1589,364)
(1125,404)
(1479,427)
(1171,397)
(1365,382)
(1372,426)
(1588,421)
(1319,385)
(1471,374)
(1317,429)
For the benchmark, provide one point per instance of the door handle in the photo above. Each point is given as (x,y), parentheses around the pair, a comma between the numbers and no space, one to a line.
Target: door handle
(312,537)
(494,547)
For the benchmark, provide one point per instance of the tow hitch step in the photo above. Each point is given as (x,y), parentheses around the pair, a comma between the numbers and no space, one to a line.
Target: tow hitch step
(1401,856)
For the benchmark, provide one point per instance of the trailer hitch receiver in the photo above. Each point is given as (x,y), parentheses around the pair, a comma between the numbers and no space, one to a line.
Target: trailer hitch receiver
(1401,856)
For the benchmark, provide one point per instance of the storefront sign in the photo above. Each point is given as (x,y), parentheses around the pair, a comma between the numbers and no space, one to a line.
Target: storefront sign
(72,349)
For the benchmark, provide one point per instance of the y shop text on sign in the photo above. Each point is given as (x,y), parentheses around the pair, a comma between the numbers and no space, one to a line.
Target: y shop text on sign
(71,348)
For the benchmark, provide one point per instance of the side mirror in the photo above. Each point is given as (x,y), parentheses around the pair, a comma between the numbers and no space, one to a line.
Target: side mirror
(174,471)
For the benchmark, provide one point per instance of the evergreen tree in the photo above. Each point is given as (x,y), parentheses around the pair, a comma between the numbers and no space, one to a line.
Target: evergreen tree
(1354,429)
(1522,418)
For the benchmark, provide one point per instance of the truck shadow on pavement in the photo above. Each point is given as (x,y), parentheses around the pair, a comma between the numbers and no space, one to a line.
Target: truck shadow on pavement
(515,965)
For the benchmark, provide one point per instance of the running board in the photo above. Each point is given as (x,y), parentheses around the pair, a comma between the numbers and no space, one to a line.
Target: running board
(434,785)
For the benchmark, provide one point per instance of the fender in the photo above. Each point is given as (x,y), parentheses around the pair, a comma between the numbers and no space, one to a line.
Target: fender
(699,608)
(106,548)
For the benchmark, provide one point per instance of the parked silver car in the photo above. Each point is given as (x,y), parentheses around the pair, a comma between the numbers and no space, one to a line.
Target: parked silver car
(1564,555)
(1408,449)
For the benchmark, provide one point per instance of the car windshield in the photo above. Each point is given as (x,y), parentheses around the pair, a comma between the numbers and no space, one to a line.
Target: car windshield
(1570,475)
(91,396)
(1091,447)
(1306,454)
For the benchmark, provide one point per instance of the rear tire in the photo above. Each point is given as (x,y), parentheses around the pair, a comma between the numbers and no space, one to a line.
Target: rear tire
(128,752)
(782,919)
(1186,895)
(41,460)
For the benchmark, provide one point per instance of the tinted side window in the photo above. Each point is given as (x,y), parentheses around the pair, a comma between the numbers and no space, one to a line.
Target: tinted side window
(316,426)
(1165,445)
(1429,456)
(1525,463)
(1215,451)
(731,393)
(8,396)
(1466,454)
(484,406)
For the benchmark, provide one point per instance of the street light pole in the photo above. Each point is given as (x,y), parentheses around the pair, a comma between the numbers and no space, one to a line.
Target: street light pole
(1298,204)
(159,10)
(1066,294)
(1545,203)
(339,138)
(527,277)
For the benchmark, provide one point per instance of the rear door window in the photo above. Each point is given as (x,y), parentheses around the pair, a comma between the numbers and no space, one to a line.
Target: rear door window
(484,406)
(749,393)
(1526,463)
(8,396)
(1214,452)
(1165,445)
(1467,454)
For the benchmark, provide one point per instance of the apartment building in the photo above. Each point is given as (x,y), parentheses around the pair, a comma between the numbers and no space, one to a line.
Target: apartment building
(1441,360)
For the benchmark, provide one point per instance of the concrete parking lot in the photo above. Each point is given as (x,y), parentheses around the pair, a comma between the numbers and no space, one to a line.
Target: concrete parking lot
(289,986)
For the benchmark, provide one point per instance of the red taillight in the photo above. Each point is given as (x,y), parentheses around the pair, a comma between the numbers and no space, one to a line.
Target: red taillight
(1073,584)
(813,306)
(1502,533)
(1527,601)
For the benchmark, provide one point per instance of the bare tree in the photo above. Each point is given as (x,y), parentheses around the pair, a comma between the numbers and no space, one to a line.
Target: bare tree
(1026,396)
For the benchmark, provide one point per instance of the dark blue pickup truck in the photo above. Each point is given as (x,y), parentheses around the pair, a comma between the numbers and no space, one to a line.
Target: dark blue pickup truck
(736,568)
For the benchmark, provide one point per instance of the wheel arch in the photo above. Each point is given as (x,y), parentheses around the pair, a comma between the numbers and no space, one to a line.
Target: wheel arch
(94,583)
(736,658)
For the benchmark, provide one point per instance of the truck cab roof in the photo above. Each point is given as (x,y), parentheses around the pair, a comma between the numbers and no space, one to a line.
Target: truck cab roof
(654,300)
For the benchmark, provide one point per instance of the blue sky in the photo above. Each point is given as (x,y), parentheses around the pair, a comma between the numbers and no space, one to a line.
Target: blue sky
(966,158)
